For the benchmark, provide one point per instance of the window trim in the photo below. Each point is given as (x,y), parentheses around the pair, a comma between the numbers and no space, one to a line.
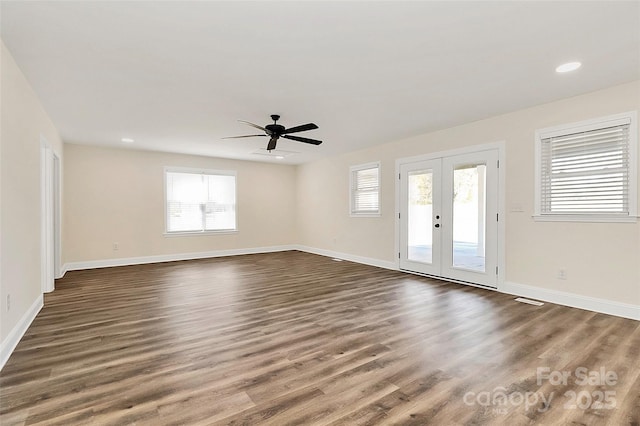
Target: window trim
(352,171)
(193,170)
(631,118)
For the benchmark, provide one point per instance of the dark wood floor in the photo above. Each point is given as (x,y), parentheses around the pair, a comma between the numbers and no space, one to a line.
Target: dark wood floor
(294,338)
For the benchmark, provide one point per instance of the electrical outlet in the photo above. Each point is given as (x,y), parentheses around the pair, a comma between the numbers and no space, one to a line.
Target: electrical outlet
(562,274)
(8,302)
(116,246)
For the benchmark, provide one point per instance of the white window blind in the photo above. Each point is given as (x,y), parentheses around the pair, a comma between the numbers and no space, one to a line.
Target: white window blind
(586,173)
(200,201)
(365,189)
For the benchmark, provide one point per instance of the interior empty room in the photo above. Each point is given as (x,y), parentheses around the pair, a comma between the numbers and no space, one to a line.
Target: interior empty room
(319,213)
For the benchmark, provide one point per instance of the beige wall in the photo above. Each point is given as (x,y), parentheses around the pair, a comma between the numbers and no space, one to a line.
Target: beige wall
(117,195)
(23,122)
(600,259)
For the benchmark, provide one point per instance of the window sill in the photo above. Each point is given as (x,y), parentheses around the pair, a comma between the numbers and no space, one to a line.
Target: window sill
(198,233)
(365,214)
(585,218)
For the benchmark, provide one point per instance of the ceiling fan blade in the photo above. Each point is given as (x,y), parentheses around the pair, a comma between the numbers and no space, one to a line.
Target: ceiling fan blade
(256,126)
(245,136)
(272,143)
(301,128)
(305,140)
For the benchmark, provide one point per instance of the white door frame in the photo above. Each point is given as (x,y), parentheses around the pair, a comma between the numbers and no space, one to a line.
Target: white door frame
(49,216)
(57,216)
(500,147)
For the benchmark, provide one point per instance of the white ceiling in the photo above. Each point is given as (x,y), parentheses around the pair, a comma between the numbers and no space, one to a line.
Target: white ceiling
(176,76)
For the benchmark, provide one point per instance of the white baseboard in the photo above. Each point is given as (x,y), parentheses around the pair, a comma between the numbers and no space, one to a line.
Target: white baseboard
(350,257)
(11,341)
(63,270)
(573,300)
(107,263)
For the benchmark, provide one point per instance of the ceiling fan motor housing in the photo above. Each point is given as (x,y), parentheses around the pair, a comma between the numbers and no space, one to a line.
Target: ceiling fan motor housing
(276,129)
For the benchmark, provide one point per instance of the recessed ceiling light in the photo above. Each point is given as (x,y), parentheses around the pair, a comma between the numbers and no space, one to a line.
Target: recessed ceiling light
(279,157)
(569,66)
(127,140)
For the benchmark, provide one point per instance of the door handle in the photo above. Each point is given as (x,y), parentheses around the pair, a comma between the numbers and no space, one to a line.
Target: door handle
(437,225)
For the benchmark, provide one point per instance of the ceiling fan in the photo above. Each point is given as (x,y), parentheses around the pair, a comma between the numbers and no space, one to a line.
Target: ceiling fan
(276,131)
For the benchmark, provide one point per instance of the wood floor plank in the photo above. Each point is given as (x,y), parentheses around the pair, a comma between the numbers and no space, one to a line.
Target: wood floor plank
(294,338)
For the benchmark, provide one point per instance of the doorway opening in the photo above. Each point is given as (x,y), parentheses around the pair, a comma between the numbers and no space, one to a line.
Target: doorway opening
(50,184)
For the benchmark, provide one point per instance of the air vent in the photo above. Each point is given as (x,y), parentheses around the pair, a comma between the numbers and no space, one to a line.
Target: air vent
(529,301)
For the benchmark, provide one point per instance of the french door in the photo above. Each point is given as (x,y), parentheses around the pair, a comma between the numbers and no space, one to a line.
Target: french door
(449,217)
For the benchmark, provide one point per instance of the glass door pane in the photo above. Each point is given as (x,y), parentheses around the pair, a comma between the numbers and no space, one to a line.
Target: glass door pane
(420,216)
(469,212)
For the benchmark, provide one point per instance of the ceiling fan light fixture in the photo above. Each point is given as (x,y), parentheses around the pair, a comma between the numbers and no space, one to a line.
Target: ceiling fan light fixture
(568,67)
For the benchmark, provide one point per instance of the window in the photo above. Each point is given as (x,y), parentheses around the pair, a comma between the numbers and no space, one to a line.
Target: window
(200,200)
(587,171)
(365,190)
